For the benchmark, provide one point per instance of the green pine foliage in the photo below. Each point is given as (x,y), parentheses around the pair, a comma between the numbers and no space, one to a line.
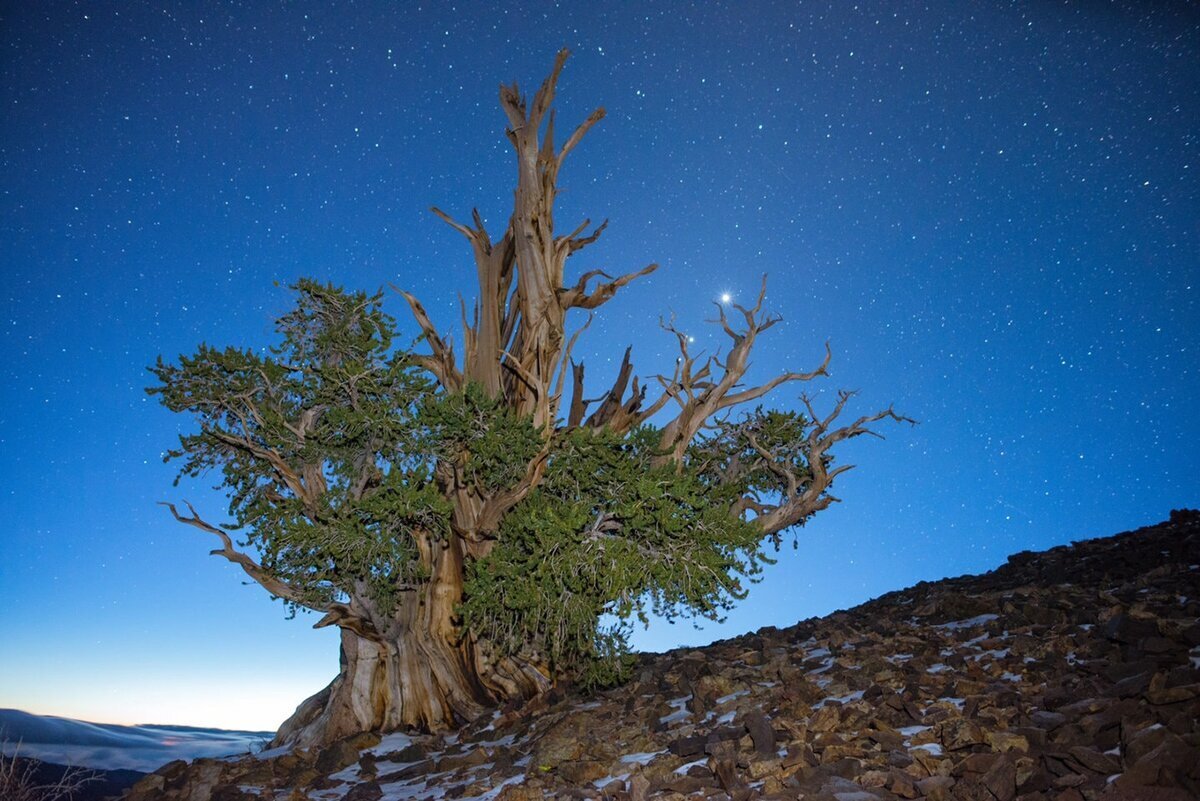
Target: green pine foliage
(608,533)
(328,444)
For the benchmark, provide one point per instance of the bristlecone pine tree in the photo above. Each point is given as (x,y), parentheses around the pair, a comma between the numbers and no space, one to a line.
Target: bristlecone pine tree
(463,522)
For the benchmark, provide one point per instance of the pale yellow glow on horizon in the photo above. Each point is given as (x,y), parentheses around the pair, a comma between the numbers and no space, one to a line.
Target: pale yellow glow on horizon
(250,706)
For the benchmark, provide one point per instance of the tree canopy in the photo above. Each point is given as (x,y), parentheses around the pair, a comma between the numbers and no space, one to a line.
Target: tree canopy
(472,523)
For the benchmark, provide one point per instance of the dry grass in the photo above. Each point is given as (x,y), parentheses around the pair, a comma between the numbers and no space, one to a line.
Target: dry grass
(19,779)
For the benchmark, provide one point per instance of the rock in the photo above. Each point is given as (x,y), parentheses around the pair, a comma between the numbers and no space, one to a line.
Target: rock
(364,791)
(562,743)
(467,759)
(688,746)
(1093,760)
(826,718)
(334,757)
(901,784)
(584,771)
(935,788)
(1006,741)
(639,787)
(1001,779)
(960,733)
(724,766)
(761,733)
(1048,720)
(1172,763)
(1125,629)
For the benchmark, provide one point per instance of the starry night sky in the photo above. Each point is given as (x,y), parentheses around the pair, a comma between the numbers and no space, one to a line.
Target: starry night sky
(989,209)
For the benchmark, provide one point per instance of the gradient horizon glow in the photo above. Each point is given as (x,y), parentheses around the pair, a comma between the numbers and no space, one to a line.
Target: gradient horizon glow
(989,209)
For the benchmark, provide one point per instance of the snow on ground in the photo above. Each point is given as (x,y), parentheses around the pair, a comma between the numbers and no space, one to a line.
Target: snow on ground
(978,620)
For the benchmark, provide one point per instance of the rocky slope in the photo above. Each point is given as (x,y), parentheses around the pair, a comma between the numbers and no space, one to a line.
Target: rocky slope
(1069,674)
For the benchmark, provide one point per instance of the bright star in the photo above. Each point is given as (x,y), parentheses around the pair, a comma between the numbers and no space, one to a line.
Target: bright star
(726,297)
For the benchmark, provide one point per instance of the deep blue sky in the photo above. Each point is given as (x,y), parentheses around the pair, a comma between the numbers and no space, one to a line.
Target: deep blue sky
(990,209)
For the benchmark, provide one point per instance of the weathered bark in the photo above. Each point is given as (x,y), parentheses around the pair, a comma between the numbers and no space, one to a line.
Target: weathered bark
(415,670)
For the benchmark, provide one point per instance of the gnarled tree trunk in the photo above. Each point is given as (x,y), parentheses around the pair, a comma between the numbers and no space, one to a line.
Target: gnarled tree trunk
(413,668)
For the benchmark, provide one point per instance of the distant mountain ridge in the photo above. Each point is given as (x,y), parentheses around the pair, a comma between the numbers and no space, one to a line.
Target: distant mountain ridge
(109,746)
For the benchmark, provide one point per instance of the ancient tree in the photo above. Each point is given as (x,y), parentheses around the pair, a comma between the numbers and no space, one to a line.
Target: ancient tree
(467,519)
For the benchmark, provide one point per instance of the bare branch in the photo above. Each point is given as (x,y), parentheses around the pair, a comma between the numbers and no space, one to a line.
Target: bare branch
(801,502)
(457,226)
(341,615)
(579,405)
(573,242)
(291,479)
(757,392)
(441,363)
(611,404)
(252,569)
(579,133)
(577,371)
(578,297)
(545,94)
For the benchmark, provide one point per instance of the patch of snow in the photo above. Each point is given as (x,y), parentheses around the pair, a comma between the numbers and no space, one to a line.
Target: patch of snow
(827,665)
(397,741)
(726,718)
(491,794)
(724,699)
(644,758)
(347,774)
(271,753)
(997,654)
(958,702)
(683,769)
(932,748)
(912,731)
(500,742)
(601,782)
(843,699)
(1013,677)
(971,622)
(894,658)
(1114,751)
(818,653)
(937,667)
(675,717)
